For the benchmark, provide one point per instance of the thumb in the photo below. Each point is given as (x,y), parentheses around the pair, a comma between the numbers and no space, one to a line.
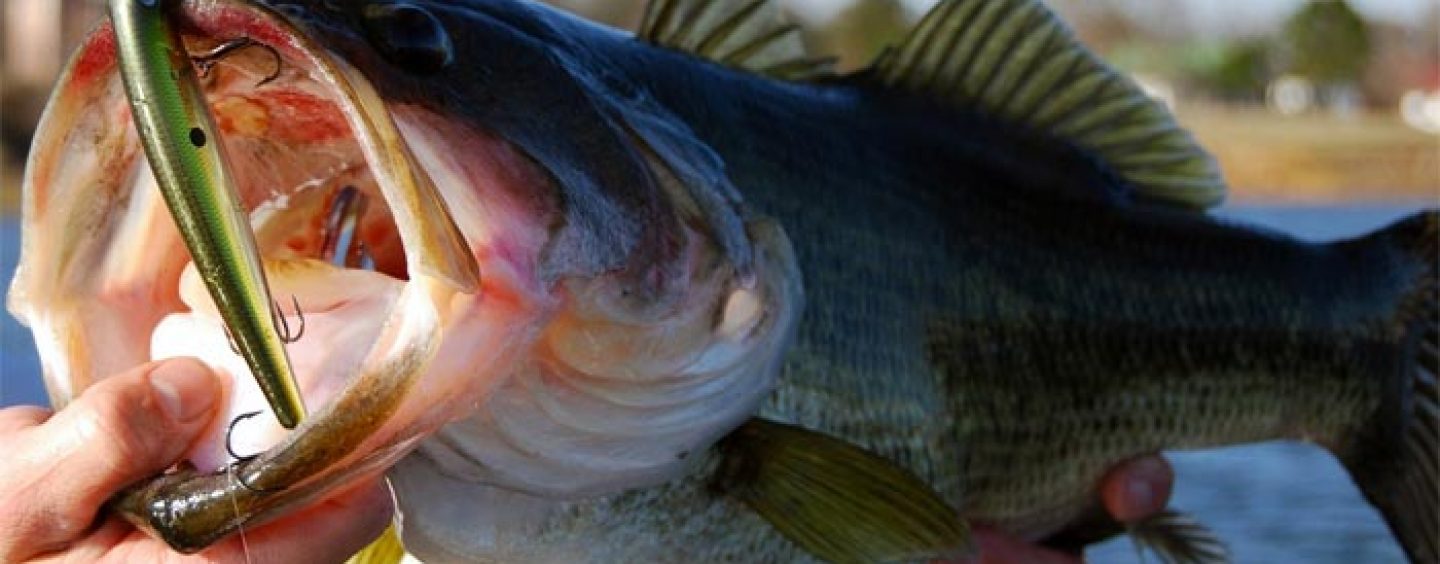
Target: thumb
(120,430)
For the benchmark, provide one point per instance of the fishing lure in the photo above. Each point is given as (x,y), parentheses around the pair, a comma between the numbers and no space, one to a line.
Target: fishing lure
(179,136)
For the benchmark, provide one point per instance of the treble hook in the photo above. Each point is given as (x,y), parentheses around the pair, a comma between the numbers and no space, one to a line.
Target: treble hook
(278,318)
(229,449)
(284,325)
(231,431)
(343,246)
(206,61)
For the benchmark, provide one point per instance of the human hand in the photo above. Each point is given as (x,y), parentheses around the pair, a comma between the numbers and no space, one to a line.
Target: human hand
(1130,492)
(58,470)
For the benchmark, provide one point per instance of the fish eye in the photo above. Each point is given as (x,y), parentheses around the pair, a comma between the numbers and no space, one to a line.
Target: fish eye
(408,36)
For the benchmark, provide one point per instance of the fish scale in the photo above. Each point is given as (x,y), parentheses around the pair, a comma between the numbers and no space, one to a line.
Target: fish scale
(1038,410)
(736,307)
(1050,413)
(1015,421)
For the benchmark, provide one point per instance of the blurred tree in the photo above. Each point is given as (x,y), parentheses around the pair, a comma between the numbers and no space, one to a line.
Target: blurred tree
(1327,42)
(1243,71)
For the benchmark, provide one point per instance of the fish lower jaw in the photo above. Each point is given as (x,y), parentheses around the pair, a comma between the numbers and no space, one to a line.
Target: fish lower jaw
(343,312)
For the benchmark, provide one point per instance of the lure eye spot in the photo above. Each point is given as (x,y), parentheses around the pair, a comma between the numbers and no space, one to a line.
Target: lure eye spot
(408,36)
(197,137)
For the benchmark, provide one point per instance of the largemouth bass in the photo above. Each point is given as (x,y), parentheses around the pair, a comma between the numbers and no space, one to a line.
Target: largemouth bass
(547,267)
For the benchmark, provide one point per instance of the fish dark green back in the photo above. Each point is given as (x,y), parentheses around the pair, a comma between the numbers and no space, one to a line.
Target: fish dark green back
(1006,62)
(1008,289)
(1011,70)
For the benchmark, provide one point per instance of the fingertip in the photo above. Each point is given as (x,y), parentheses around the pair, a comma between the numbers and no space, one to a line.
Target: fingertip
(1138,489)
(185,388)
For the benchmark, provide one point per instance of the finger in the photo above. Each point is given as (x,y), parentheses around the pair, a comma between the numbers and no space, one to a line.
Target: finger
(22,417)
(995,547)
(121,430)
(331,531)
(1138,489)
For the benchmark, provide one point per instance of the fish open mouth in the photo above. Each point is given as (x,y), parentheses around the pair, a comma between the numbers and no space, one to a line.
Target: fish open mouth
(317,160)
(375,218)
(343,215)
(359,242)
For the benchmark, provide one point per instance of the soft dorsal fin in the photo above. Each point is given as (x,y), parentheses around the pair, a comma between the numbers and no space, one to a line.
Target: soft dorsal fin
(1014,59)
(751,35)
(837,501)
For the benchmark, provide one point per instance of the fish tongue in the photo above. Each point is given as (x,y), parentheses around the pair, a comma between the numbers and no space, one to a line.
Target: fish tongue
(315,285)
(342,310)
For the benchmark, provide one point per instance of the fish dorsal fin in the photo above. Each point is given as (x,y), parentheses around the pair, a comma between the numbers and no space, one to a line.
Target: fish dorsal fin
(837,501)
(1015,60)
(751,35)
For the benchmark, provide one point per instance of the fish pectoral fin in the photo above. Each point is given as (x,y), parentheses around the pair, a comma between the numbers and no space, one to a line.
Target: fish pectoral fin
(752,36)
(1177,538)
(1015,61)
(836,500)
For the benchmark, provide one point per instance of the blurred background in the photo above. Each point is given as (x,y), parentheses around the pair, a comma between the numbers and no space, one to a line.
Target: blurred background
(1302,101)
(1325,116)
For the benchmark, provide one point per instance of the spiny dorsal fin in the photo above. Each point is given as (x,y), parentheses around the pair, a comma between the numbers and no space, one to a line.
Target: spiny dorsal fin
(750,35)
(1016,60)
(835,500)
(1177,538)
